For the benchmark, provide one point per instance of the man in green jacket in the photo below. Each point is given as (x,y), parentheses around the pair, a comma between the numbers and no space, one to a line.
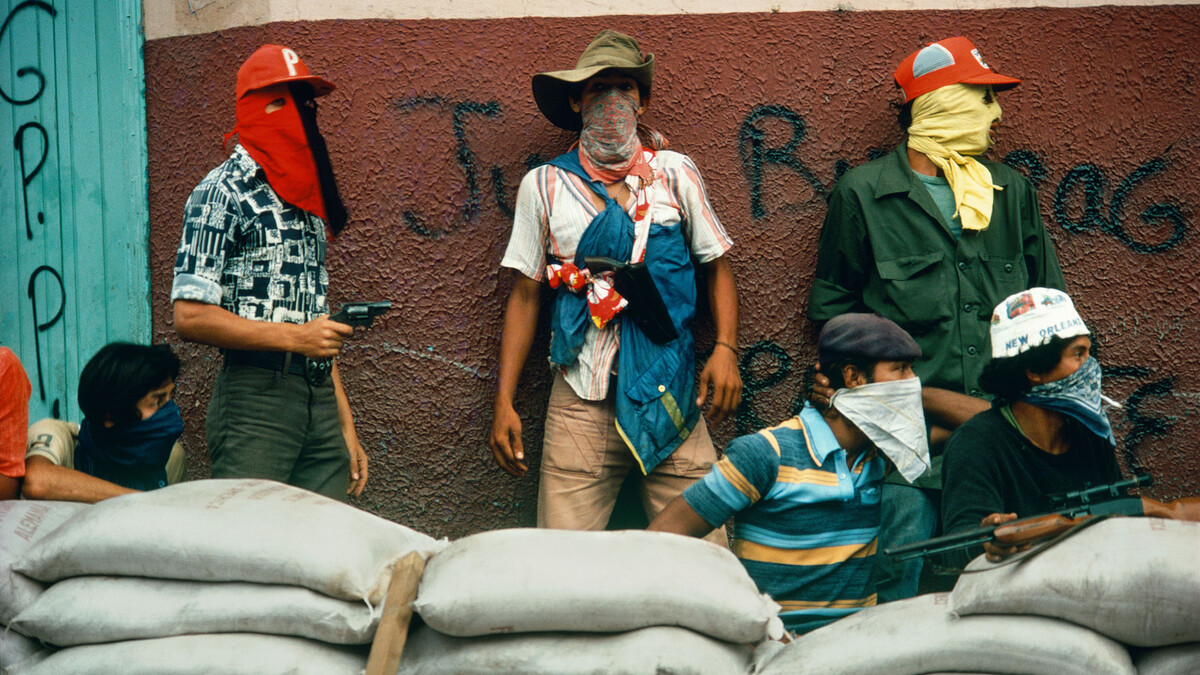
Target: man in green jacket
(933,237)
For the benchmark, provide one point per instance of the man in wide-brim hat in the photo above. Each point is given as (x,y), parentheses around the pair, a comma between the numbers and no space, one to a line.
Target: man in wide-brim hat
(624,394)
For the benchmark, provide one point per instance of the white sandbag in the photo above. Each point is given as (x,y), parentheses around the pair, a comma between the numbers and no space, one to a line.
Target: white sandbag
(225,653)
(1174,660)
(22,524)
(19,653)
(529,580)
(86,610)
(659,650)
(231,530)
(1132,579)
(921,635)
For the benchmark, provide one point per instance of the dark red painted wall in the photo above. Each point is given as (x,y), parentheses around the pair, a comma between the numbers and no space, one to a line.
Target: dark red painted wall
(433,124)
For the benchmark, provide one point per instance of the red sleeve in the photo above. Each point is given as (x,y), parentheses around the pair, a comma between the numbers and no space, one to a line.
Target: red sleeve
(14,414)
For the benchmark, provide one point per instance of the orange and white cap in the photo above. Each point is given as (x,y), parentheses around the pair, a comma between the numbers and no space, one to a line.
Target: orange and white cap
(951,61)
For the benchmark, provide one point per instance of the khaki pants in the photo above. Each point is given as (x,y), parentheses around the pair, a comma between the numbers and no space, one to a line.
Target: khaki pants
(584,462)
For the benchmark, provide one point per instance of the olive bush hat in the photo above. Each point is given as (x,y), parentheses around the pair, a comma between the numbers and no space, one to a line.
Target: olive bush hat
(609,50)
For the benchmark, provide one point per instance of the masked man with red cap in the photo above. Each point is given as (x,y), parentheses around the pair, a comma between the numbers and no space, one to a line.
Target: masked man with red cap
(933,236)
(625,391)
(250,279)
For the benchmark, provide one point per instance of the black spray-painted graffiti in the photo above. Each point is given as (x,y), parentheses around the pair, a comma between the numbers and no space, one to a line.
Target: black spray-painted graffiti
(1091,180)
(463,154)
(467,160)
(41,327)
(27,176)
(28,70)
(757,158)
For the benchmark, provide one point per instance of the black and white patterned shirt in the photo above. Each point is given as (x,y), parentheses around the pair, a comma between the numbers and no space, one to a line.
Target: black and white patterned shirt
(247,250)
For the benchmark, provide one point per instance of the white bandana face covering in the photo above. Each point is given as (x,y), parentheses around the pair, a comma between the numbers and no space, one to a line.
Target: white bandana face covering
(891,416)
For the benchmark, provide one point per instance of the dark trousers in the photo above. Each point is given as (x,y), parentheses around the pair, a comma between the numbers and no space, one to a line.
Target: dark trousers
(271,424)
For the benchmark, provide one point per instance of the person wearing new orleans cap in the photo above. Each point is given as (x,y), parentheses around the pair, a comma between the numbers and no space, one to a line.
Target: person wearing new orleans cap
(620,400)
(250,278)
(1047,431)
(805,494)
(932,236)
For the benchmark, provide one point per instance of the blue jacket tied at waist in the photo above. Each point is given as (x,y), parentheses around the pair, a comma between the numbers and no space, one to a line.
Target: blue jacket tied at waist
(655,390)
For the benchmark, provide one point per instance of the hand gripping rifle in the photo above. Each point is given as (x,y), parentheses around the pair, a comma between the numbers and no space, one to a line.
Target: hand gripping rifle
(1072,508)
(352,314)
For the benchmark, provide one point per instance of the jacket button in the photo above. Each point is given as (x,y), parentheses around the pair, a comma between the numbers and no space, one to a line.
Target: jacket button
(967,307)
(962,266)
(662,388)
(1008,267)
(972,351)
(974,392)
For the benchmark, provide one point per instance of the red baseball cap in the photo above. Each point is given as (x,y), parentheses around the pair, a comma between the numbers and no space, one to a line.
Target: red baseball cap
(274,64)
(951,61)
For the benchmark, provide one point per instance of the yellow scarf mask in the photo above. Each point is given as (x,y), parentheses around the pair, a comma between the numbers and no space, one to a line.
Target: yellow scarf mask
(950,127)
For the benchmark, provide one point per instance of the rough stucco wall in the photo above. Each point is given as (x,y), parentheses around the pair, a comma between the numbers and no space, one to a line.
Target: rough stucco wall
(433,125)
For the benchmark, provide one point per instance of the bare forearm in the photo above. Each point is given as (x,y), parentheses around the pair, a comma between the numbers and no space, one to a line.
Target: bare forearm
(345,416)
(722,299)
(680,518)
(950,409)
(520,324)
(46,480)
(213,325)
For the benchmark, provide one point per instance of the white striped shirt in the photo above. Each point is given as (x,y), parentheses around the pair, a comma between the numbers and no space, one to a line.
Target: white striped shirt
(681,201)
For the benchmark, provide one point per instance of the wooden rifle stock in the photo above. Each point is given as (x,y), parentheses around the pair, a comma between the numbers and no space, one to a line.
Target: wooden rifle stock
(1040,528)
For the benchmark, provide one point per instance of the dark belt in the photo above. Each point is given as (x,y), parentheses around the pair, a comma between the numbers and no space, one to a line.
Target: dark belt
(268,360)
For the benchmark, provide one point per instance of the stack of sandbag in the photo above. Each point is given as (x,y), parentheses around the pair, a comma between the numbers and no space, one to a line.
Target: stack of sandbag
(1121,595)
(922,635)
(231,576)
(1134,580)
(22,524)
(535,601)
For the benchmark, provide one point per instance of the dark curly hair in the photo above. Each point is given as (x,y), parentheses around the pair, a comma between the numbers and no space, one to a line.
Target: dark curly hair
(118,376)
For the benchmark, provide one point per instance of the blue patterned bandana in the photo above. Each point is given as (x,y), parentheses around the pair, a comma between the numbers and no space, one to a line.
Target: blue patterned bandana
(1077,395)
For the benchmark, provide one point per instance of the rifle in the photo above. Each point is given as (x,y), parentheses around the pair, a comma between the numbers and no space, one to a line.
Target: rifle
(1073,508)
(352,314)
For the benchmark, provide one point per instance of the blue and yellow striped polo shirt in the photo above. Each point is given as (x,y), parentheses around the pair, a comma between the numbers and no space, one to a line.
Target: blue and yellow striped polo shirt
(805,523)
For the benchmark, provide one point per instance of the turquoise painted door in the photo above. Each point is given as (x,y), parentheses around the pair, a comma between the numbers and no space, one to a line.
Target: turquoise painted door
(74,271)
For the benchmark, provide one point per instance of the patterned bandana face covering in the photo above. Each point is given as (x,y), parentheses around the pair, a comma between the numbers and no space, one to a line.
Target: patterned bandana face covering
(609,141)
(1077,395)
(891,416)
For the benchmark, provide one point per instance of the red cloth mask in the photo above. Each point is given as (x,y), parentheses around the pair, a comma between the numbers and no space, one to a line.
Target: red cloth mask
(278,142)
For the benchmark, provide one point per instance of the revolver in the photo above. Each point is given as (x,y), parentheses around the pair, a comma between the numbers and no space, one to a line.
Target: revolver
(351,314)
(360,313)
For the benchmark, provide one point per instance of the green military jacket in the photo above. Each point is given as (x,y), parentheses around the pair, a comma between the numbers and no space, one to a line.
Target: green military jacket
(886,248)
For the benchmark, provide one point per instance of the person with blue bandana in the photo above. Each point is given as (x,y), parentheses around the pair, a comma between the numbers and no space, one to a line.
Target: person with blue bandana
(129,438)
(1047,431)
